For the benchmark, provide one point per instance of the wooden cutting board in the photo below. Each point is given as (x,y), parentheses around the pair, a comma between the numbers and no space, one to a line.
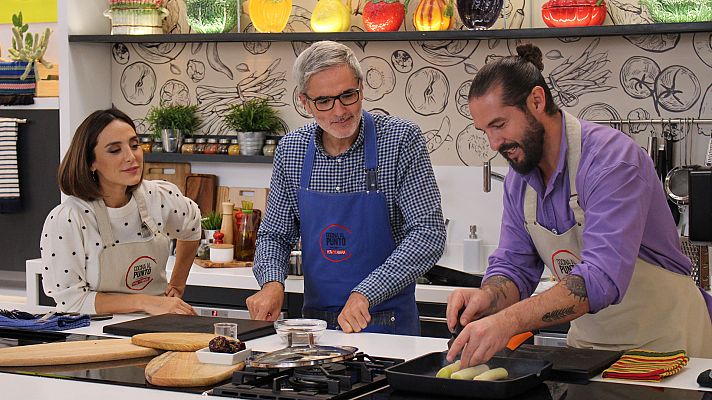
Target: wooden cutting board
(174,341)
(171,172)
(230,264)
(202,189)
(73,352)
(235,195)
(183,369)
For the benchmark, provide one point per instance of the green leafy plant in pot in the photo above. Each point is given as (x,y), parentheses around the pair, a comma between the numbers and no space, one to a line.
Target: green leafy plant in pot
(253,120)
(210,223)
(172,123)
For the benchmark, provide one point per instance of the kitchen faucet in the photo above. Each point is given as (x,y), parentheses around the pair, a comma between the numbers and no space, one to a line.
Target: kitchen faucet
(488,174)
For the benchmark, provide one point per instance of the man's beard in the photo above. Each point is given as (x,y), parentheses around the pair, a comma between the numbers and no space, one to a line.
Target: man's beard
(532,147)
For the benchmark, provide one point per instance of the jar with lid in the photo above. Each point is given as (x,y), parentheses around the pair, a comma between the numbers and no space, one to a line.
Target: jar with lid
(223,145)
(234,149)
(188,146)
(269,147)
(199,147)
(211,147)
(146,144)
(157,147)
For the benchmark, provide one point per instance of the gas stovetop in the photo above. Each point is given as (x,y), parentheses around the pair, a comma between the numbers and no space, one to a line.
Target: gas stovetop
(341,380)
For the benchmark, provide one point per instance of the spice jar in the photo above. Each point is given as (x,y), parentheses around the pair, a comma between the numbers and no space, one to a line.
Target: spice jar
(199,147)
(211,147)
(269,147)
(234,149)
(157,147)
(146,144)
(188,146)
(223,146)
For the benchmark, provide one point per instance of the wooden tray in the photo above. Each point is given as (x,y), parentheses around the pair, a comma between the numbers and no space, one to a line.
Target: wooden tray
(231,264)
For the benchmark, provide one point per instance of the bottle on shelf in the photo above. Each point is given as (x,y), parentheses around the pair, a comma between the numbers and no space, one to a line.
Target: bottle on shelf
(234,149)
(211,147)
(223,146)
(146,144)
(269,147)
(188,146)
(199,147)
(471,257)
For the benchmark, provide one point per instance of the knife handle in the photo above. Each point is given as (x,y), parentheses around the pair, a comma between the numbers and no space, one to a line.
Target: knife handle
(517,340)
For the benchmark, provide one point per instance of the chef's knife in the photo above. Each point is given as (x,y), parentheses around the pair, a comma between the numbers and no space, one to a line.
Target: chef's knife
(458,329)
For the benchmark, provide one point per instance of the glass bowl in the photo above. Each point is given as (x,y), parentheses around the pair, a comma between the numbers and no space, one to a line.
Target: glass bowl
(300,328)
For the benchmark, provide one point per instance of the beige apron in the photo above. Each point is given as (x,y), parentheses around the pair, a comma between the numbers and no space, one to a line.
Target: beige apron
(661,310)
(138,267)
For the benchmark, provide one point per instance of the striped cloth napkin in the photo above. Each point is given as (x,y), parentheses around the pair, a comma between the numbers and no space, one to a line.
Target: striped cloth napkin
(646,365)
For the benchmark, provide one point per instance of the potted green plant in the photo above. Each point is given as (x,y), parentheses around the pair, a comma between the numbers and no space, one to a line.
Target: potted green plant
(18,76)
(172,123)
(210,223)
(253,120)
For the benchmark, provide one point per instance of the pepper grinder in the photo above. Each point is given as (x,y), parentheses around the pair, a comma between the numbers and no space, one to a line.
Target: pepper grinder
(226,227)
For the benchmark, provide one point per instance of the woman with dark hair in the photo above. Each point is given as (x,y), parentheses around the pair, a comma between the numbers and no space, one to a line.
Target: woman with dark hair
(105,247)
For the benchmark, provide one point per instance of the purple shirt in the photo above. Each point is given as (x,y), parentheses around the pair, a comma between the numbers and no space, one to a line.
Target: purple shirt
(626,217)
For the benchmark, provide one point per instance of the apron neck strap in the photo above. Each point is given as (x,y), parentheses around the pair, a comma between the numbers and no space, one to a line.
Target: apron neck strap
(102,221)
(370,153)
(146,220)
(572,128)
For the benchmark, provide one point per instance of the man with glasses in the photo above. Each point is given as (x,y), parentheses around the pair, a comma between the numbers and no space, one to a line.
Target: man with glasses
(360,191)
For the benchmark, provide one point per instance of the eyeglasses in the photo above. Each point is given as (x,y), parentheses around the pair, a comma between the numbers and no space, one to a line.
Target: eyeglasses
(326,103)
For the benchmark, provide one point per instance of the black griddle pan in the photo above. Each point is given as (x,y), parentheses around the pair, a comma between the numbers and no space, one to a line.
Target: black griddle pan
(418,375)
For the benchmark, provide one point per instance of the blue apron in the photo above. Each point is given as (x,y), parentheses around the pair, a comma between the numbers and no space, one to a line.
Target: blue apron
(345,236)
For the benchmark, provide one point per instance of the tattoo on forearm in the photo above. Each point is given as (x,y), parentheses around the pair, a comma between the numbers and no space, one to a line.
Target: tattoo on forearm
(576,286)
(556,315)
(498,284)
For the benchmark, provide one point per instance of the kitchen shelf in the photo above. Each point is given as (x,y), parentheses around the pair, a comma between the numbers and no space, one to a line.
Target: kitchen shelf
(209,158)
(529,33)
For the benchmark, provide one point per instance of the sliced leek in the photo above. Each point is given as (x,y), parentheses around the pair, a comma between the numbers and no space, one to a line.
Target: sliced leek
(469,373)
(492,375)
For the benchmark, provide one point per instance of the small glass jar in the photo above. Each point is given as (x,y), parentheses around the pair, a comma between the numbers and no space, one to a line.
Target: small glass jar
(146,144)
(203,252)
(223,146)
(211,147)
(199,147)
(234,149)
(157,147)
(269,147)
(188,146)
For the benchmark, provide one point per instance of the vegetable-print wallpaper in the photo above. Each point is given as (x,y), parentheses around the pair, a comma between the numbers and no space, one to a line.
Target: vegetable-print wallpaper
(607,78)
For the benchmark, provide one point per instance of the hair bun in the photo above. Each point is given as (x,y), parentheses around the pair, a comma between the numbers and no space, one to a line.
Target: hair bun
(531,53)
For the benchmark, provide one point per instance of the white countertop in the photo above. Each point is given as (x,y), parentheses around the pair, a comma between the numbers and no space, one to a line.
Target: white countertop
(407,347)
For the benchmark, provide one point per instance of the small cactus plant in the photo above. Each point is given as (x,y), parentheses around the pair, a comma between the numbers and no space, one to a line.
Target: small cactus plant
(31,48)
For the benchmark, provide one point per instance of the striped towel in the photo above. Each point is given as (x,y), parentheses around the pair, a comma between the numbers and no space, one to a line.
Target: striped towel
(9,176)
(646,365)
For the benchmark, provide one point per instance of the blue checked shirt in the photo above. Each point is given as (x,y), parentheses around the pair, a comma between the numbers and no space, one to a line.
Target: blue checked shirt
(405,176)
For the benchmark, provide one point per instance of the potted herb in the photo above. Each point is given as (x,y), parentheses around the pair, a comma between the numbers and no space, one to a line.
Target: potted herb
(172,123)
(18,77)
(253,120)
(210,223)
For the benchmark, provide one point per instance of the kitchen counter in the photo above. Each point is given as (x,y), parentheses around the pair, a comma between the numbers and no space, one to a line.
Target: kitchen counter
(242,278)
(41,387)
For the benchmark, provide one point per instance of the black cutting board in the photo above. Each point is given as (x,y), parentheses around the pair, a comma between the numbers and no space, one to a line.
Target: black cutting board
(246,329)
(570,363)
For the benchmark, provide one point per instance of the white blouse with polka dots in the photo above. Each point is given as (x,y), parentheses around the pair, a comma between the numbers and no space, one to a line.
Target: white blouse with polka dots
(70,243)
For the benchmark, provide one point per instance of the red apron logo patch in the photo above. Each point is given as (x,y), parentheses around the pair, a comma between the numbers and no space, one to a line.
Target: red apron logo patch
(138,276)
(334,241)
(563,262)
